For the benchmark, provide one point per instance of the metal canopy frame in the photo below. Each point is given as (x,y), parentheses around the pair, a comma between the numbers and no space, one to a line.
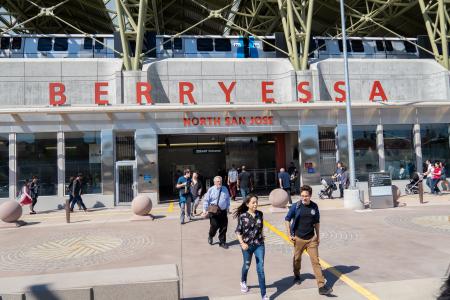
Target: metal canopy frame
(297,19)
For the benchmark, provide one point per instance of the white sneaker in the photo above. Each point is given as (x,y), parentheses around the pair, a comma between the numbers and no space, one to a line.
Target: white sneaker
(265,297)
(244,287)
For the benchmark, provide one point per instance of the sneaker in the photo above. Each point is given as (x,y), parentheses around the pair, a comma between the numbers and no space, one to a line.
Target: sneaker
(325,290)
(244,287)
(210,240)
(265,297)
(223,245)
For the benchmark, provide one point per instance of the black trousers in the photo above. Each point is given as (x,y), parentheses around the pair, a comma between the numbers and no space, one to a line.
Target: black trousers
(219,222)
(33,203)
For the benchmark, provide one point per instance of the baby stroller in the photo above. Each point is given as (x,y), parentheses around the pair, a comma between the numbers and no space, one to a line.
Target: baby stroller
(328,187)
(413,186)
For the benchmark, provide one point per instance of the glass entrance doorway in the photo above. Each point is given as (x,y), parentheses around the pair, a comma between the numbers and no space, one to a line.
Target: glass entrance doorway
(126,182)
(213,155)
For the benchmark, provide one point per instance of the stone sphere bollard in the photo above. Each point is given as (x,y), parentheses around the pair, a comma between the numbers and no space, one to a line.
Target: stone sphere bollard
(10,211)
(279,198)
(141,205)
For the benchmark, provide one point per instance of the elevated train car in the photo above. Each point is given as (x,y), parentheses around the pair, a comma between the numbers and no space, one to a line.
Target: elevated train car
(192,46)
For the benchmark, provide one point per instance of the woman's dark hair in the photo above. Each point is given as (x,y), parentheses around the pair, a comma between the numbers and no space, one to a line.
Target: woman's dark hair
(243,207)
(445,289)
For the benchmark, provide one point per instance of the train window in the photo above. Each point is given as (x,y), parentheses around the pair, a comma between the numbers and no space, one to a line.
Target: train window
(341,48)
(4,43)
(167,44)
(389,46)
(45,44)
(223,45)
(177,44)
(205,44)
(321,45)
(267,45)
(16,43)
(87,43)
(99,43)
(380,45)
(410,48)
(357,46)
(61,44)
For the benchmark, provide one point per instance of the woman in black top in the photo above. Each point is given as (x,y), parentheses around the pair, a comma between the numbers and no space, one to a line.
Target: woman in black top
(249,232)
(196,191)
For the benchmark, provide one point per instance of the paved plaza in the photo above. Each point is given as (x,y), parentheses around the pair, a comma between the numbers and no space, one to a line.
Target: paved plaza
(398,253)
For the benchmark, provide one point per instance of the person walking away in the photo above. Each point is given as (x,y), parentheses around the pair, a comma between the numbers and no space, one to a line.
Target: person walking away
(337,176)
(216,204)
(444,181)
(34,193)
(303,228)
(25,198)
(293,176)
(232,182)
(244,183)
(196,191)
(435,179)
(76,193)
(249,232)
(184,188)
(285,183)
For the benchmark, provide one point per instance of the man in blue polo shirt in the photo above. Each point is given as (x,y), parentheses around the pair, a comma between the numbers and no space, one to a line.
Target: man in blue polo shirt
(303,226)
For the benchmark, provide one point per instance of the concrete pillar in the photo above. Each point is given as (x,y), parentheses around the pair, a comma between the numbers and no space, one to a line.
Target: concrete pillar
(418,147)
(380,147)
(107,138)
(342,143)
(12,167)
(61,161)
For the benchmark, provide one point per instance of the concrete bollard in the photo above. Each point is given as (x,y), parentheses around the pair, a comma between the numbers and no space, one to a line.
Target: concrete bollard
(352,199)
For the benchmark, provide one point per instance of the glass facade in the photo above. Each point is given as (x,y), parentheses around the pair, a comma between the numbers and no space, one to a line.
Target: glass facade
(83,155)
(37,156)
(399,150)
(365,148)
(4,165)
(436,143)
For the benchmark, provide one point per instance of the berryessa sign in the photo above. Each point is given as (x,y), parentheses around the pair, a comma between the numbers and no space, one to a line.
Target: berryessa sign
(186,90)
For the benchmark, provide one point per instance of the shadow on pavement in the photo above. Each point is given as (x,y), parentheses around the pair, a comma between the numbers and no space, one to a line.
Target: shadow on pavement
(197,298)
(285,284)
(331,278)
(42,292)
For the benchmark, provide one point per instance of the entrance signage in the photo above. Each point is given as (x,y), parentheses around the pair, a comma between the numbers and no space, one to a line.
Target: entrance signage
(206,151)
(186,90)
(227,121)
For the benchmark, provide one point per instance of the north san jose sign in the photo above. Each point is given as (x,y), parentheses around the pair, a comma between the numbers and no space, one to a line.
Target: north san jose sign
(57,92)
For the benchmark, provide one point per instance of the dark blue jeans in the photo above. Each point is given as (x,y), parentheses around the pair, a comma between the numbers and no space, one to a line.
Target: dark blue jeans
(78,199)
(434,186)
(259,252)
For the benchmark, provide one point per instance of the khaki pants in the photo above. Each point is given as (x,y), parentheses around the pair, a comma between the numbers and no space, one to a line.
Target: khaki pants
(312,248)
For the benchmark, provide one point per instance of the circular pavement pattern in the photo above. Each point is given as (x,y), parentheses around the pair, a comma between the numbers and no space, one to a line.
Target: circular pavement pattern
(432,223)
(81,249)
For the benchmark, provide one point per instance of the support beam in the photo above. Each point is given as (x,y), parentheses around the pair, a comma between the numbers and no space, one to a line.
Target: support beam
(123,39)
(143,4)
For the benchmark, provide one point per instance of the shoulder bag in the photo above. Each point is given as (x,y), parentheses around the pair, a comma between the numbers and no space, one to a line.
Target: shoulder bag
(214,209)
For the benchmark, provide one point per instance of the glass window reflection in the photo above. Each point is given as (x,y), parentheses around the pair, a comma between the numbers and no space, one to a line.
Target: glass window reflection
(37,156)
(83,155)
(435,143)
(399,151)
(365,148)
(4,165)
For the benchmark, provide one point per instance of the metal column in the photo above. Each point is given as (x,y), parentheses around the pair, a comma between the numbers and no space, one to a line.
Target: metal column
(61,161)
(107,138)
(380,147)
(418,147)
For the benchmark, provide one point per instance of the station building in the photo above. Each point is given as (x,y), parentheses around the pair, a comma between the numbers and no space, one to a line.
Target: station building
(132,132)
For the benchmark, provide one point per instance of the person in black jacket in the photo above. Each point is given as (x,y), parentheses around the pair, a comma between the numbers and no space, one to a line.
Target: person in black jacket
(76,193)
(34,193)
